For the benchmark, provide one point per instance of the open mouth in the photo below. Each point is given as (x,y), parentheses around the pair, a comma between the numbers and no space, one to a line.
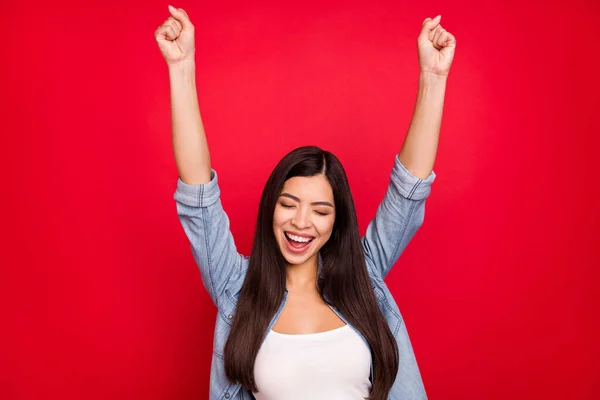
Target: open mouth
(296,243)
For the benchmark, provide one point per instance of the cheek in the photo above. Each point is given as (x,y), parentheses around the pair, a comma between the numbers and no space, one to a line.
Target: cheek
(326,227)
(277,217)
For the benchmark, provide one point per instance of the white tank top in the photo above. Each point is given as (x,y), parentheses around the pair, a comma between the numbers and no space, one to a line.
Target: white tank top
(332,365)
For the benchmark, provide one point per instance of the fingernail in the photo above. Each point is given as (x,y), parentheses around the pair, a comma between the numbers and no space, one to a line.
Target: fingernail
(437,18)
(171,8)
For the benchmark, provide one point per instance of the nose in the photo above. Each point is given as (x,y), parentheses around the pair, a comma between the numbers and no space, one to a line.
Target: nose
(301,219)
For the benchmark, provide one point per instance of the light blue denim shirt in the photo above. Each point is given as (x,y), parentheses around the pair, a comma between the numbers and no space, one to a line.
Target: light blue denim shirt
(223,269)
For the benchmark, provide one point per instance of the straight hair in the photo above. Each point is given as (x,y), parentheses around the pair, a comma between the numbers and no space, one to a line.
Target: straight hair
(343,281)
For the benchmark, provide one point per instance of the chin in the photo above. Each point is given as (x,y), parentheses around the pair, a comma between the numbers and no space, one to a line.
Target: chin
(295,260)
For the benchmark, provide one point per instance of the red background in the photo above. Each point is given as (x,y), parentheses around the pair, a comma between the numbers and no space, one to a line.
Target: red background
(100,297)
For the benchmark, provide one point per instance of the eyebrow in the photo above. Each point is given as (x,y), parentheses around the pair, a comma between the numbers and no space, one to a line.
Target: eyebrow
(316,203)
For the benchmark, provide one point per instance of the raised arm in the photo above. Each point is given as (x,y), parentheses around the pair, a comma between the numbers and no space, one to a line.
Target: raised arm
(436,50)
(197,195)
(402,210)
(175,38)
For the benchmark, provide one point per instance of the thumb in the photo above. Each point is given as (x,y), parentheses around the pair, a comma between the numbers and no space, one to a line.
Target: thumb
(429,26)
(181,16)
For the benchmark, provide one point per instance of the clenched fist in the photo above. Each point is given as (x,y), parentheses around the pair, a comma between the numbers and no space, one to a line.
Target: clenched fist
(175,37)
(436,47)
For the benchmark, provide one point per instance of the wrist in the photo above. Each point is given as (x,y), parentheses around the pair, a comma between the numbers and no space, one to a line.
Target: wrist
(431,80)
(185,69)
(431,77)
(182,65)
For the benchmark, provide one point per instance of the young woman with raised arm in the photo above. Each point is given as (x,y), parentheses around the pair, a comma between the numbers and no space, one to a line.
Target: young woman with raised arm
(307,315)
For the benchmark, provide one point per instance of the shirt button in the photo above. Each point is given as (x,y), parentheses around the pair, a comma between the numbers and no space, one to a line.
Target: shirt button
(230,317)
(226,395)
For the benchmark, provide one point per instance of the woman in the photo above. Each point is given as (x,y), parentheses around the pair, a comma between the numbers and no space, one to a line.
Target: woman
(307,315)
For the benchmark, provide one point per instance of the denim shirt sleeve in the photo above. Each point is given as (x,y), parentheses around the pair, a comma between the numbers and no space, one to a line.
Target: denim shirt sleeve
(206,225)
(399,216)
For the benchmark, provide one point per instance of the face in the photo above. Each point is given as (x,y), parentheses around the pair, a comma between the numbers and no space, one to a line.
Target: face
(304,217)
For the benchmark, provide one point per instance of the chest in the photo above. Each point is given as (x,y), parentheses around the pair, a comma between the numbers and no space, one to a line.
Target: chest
(334,364)
(305,313)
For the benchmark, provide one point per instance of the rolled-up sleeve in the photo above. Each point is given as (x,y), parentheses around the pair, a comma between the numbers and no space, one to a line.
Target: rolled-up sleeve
(203,195)
(206,225)
(399,215)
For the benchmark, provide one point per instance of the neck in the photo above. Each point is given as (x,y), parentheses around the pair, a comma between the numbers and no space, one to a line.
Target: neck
(302,276)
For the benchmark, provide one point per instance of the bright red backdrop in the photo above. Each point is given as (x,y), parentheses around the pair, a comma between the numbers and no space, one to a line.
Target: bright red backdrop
(100,296)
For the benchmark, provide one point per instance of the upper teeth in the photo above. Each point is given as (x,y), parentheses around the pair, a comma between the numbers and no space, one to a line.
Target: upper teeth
(298,238)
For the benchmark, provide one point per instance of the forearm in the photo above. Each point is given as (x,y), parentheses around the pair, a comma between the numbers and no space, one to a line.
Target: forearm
(189,139)
(420,145)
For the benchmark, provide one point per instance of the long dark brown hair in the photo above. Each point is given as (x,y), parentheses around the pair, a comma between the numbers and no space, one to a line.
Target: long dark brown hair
(343,280)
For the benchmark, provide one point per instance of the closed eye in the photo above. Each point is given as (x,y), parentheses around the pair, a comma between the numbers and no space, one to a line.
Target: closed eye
(291,206)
